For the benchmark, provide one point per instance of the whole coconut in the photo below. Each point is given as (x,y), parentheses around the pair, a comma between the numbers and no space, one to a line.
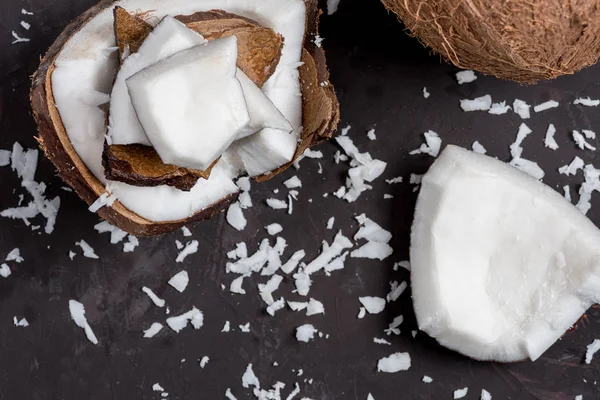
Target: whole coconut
(520,40)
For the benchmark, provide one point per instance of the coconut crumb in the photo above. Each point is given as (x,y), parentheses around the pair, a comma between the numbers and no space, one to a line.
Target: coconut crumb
(25,25)
(157,388)
(467,76)
(581,142)
(18,39)
(229,395)
(203,361)
(23,323)
(483,103)
(549,141)
(521,108)
(460,393)
(394,363)
(393,326)
(245,328)
(276,204)
(155,299)
(179,281)
(235,216)
(515,148)
(131,244)
(4,270)
(153,330)
(426,94)
(396,290)
(499,108)
(274,229)
(572,167)
(545,106)
(381,341)
(478,148)
(15,255)
(309,153)
(371,134)
(427,379)
(592,348)
(305,333)
(25,12)
(190,248)
(397,179)
(588,102)
(318,40)
(88,251)
(77,311)
(186,231)
(178,322)
(432,145)
(387,196)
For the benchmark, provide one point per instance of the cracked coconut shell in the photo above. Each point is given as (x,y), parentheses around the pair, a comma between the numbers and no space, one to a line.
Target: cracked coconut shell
(515,40)
(320,119)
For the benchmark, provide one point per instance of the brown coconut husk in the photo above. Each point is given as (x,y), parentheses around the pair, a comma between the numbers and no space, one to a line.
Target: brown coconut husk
(55,142)
(259,51)
(523,41)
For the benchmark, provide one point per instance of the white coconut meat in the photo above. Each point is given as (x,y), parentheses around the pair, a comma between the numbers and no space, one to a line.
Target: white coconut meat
(191,105)
(501,265)
(82,68)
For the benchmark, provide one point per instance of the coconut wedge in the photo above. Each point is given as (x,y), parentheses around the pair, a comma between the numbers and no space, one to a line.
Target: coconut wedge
(75,147)
(501,264)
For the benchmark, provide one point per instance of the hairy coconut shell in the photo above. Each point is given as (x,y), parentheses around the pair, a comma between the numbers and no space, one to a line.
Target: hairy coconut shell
(55,142)
(259,51)
(519,40)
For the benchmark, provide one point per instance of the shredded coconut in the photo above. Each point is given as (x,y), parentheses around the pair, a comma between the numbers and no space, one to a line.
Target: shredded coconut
(572,168)
(393,326)
(586,102)
(276,204)
(460,393)
(203,361)
(18,39)
(396,290)
(249,378)
(305,333)
(153,330)
(545,106)
(432,145)
(178,322)
(591,350)
(467,76)
(273,229)
(186,231)
(485,395)
(371,134)
(478,148)
(381,341)
(235,216)
(581,142)
(373,305)
(88,251)
(549,141)
(483,103)
(293,183)
(426,94)
(427,379)
(499,108)
(190,248)
(314,307)
(23,323)
(521,108)
(155,299)
(77,311)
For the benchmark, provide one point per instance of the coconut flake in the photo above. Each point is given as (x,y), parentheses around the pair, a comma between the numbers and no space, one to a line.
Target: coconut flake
(373,305)
(105,199)
(394,363)
(572,167)
(340,242)
(23,323)
(332,6)
(427,379)
(396,290)
(381,341)
(4,270)
(467,76)
(226,327)
(478,148)
(88,251)
(393,326)
(14,255)
(529,167)
(157,388)
(25,12)
(485,395)
(155,299)
(549,141)
(373,250)
(276,306)
(426,94)
(293,183)
(241,251)
(190,248)
(116,234)
(178,322)
(499,108)
(179,281)
(203,361)
(521,108)
(314,307)
(131,244)
(235,216)
(153,330)
(276,204)
(292,263)
(77,311)
(309,153)
(249,378)
(592,348)
(588,102)
(460,393)
(297,305)
(371,231)
(432,145)
(515,148)
(483,103)
(581,142)
(371,134)
(273,229)
(4,158)
(397,179)
(590,184)
(302,282)
(545,106)
(18,39)
(268,288)
(229,395)
(403,264)
(305,333)
(567,191)
(330,222)
(186,232)
(236,285)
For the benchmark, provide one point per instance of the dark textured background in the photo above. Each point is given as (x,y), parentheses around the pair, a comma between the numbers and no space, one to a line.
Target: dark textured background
(379,73)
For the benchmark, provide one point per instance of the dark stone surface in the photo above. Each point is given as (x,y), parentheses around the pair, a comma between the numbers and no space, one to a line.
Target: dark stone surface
(379,73)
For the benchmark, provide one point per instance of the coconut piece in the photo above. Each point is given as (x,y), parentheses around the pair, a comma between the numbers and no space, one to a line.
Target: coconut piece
(361,313)
(190,105)
(373,305)
(276,306)
(293,183)
(4,270)
(521,108)
(394,363)
(116,234)
(478,148)
(130,31)
(529,167)
(460,393)
(180,281)
(499,108)
(303,282)
(153,330)
(581,143)
(292,263)
(467,76)
(249,378)
(18,39)
(226,327)
(274,229)
(194,316)
(545,106)
(393,326)
(330,223)
(75,153)
(515,148)
(190,248)
(549,141)
(305,333)
(155,299)
(230,395)
(373,250)
(483,103)
(381,341)
(23,323)
(340,242)
(586,101)
(427,379)
(432,145)
(4,158)
(485,395)
(88,251)
(572,167)
(314,307)
(426,94)
(371,231)
(77,311)
(202,363)
(592,348)
(235,216)
(547,265)
(14,255)
(245,328)
(276,204)
(396,290)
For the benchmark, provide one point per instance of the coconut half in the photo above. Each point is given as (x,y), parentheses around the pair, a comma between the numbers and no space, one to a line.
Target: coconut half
(71,128)
(501,264)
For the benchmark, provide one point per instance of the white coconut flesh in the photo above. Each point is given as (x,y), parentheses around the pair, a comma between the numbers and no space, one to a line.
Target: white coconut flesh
(82,69)
(191,105)
(502,265)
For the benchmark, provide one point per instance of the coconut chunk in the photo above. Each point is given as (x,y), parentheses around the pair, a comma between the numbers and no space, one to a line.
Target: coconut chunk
(193,316)
(4,270)
(545,106)
(77,311)
(549,141)
(483,103)
(305,333)
(581,142)
(499,108)
(155,299)
(394,363)
(190,105)
(153,330)
(592,348)
(467,76)
(274,229)
(190,248)
(586,101)
(179,281)
(514,230)
(521,108)
(460,393)
(373,305)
